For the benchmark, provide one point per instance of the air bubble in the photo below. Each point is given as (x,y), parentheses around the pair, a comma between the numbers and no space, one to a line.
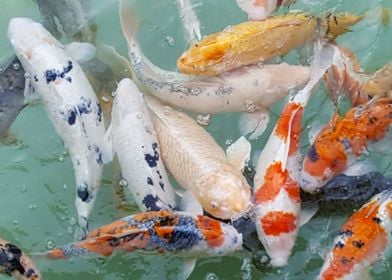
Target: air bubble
(123,183)
(50,244)
(32,207)
(16,66)
(105,99)
(170,40)
(204,120)
(211,276)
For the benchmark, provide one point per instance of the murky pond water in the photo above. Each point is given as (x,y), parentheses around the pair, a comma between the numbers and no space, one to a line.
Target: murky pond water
(37,180)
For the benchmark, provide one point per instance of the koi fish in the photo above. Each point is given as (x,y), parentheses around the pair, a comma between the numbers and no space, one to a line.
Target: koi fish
(14,262)
(181,233)
(276,191)
(70,103)
(256,41)
(342,140)
(73,17)
(134,140)
(250,89)
(199,164)
(12,85)
(361,240)
(260,9)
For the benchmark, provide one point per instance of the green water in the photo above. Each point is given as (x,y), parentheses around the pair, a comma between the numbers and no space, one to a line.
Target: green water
(37,183)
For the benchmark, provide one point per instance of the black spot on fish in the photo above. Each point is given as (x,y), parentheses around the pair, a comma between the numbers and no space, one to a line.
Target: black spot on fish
(339,245)
(149,181)
(312,154)
(98,153)
(71,117)
(377,220)
(345,261)
(347,233)
(85,106)
(35,78)
(152,160)
(52,74)
(114,242)
(69,79)
(99,113)
(162,185)
(30,273)
(159,174)
(150,202)
(358,244)
(10,259)
(346,143)
(83,193)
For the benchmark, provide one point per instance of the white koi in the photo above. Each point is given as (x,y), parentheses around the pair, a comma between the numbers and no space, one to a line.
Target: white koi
(70,103)
(258,9)
(135,143)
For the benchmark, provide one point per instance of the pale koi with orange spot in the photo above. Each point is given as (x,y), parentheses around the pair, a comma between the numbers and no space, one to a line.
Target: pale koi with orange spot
(277,192)
(361,241)
(342,140)
(176,232)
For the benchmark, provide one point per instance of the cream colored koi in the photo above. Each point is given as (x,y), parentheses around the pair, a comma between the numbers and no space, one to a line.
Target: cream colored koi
(198,163)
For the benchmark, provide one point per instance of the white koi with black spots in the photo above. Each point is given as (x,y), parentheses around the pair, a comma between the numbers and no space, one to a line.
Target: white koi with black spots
(135,143)
(70,103)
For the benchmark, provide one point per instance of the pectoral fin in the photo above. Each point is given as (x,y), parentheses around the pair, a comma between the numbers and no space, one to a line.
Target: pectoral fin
(238,153)
(253,123)
(107,146)
(81,51)
(190,204)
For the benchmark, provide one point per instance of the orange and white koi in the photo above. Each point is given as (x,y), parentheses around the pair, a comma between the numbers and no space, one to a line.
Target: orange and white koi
(277,192)
(257,41)
(342,140)
(361,241)
(260,9)
(14,262)
(180,233)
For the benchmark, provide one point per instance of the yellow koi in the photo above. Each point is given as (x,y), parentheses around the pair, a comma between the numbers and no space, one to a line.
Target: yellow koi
(256,41)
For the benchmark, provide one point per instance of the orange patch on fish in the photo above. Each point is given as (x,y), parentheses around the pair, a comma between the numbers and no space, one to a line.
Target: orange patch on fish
(353,131)
(164,232)
(56,254)
(283,125)
(112,228)
(100,245)
(274,180)
(278,222)
(261,3)
(211,230)
(364,240)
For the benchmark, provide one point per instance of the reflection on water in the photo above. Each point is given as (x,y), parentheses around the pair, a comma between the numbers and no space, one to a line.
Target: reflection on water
(37,193)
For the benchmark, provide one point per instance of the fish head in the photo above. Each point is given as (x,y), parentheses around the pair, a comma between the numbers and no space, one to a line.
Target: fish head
(26,34)
(205,55)
(229,197)
(128,99)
